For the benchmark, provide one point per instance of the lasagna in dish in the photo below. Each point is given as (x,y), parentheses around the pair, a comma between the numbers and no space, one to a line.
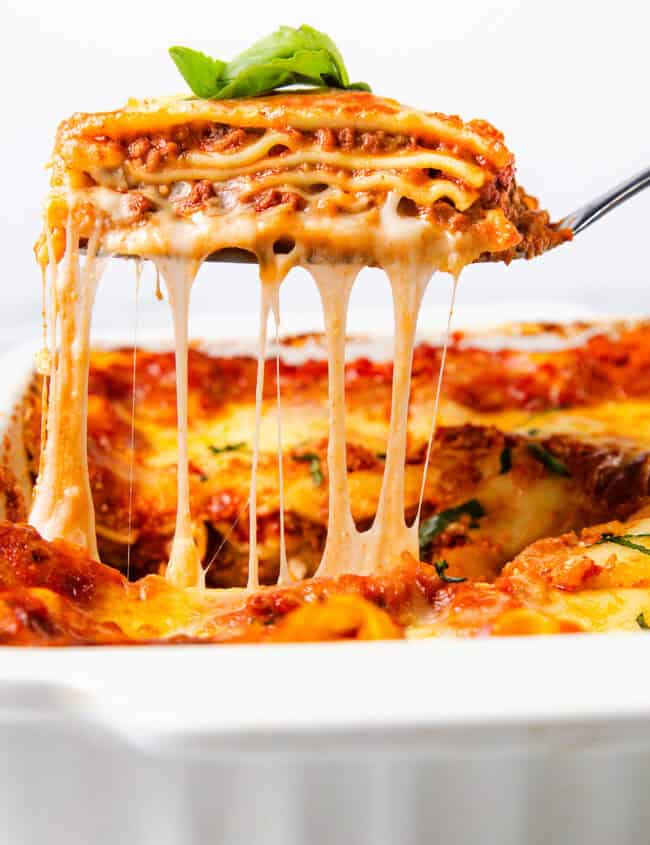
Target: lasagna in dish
(534,516)
(578,409)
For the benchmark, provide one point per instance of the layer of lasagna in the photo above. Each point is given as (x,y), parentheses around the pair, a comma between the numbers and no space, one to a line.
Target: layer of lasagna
(332,181)
(311,177)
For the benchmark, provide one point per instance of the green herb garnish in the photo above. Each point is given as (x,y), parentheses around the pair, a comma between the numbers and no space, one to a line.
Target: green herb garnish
(229,447)
(289,56)
(437,523)
(624,540)
(315,469)
(549,460)
(441,566)
(505,460)
(640,621)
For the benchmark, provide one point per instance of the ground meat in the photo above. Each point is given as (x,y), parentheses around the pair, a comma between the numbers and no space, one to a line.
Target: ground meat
(218,138)
(151,152)
(181,135)
(269,199)
(369,142)
(534,224)
(496,192)
(138,206)
(346,138)
(325,139)
(167,148)
(139,148)
(373,142)
(201,192)
(445,215)
(152,161)
(213,137)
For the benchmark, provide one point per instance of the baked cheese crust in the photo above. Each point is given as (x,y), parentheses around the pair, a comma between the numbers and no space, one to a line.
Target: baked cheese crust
(51,594)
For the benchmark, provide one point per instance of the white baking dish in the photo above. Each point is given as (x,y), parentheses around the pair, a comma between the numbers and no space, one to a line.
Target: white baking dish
(504,741)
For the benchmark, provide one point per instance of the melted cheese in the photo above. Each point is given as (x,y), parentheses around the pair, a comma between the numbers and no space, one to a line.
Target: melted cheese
(134,369)
(390,536)
(267,292)
(334,286)
(284,575)
(347,549)
(62,506)
(184,569)
(361,220)
(436,401)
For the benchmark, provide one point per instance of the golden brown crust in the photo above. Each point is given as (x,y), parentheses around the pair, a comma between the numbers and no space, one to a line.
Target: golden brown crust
(51,595)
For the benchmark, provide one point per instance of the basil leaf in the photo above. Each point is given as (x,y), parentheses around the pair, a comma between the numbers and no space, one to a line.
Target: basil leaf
(288,43)
(437,523)
(202,73)
(311,67)
(324,42)
(548,459)
(624,540)
(288,56)
(315,469)
(640,621)
(441,566)
(229,447)
(254,81)
(505,460)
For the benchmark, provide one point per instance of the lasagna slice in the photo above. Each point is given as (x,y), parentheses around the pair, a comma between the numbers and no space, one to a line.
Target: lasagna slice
(310,177)
(330,180)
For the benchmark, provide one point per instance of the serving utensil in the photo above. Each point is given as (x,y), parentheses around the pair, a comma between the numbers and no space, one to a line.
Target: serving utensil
(592,211)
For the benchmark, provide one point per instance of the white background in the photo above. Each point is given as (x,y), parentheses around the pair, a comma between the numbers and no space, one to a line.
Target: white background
(566,82)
